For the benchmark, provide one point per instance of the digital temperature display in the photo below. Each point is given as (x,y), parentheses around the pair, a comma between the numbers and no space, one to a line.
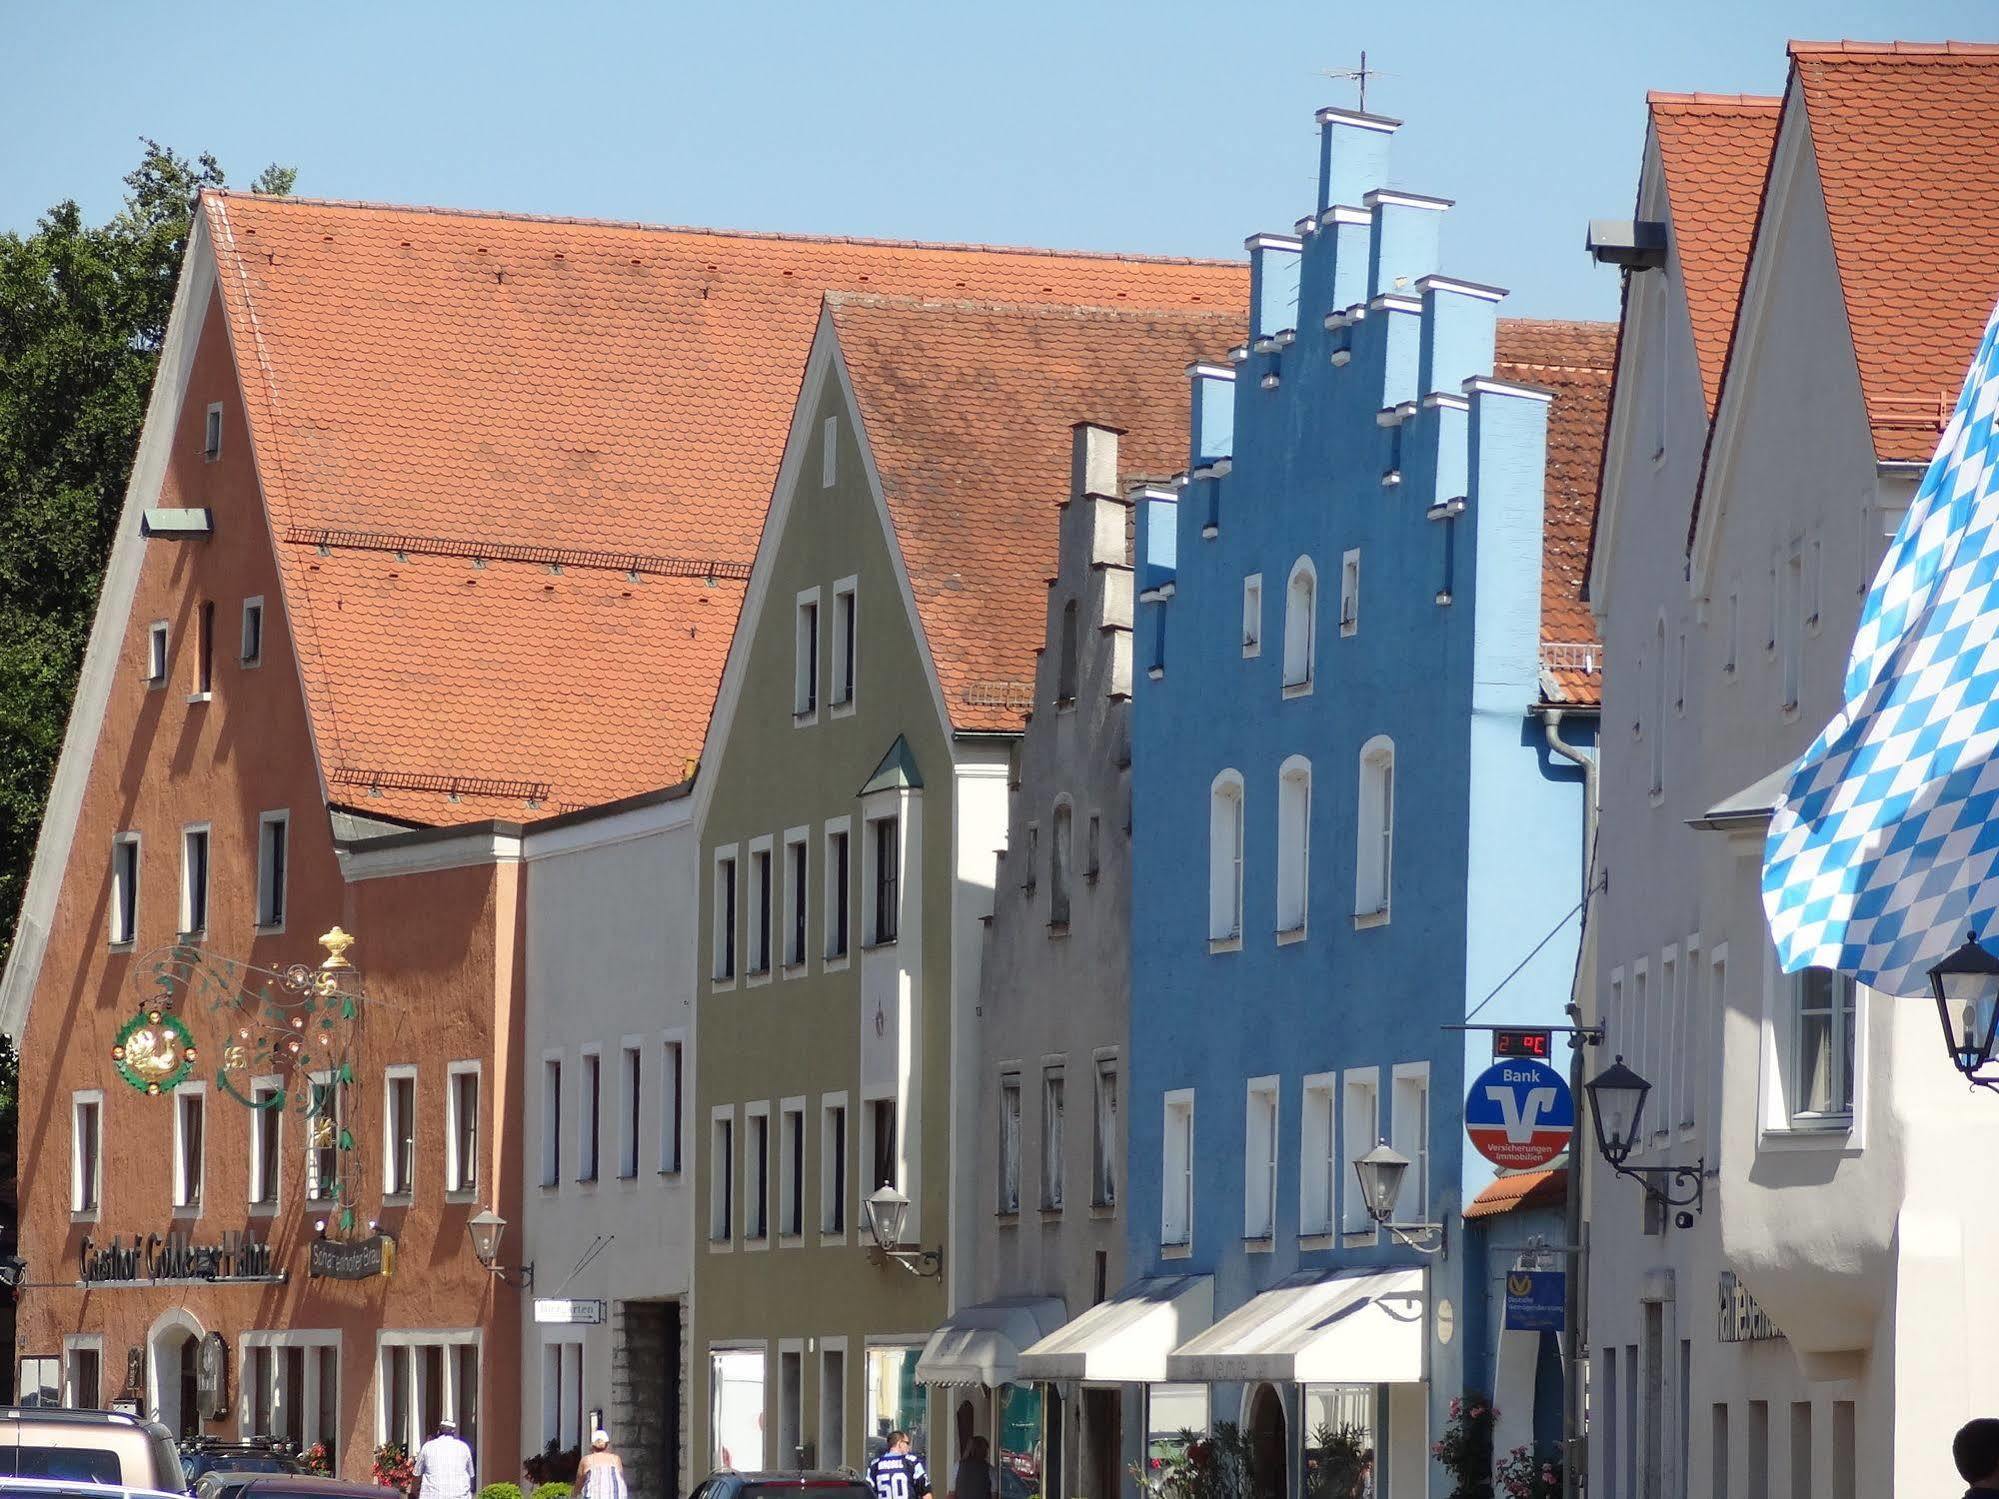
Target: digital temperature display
(1522,1043)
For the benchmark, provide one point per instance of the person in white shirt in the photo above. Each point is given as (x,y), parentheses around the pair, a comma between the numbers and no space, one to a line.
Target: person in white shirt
(444,1465)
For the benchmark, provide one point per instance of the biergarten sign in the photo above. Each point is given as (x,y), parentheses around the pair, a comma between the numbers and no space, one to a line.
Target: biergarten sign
(352,1259)
(1738,1318)
(175,1258)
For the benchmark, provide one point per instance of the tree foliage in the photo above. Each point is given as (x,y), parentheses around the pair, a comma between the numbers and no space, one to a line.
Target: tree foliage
(83,310)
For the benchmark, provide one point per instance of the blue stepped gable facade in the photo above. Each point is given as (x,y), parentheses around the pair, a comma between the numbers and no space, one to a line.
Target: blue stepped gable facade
(1348,828)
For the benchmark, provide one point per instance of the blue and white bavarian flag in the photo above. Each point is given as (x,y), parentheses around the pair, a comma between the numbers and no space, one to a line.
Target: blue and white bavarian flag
(1883,847)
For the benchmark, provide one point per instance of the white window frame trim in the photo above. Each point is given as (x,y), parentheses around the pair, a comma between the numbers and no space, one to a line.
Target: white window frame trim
(829,907)
(195,1091)
(1252,616)
(391,1074)
(796,1104)
(722,1188)
(755,1109)
(1228,780)
(830,1191)
(1382,834)
(674,1037)
(631,1110)
(584,1054)
(1320,1232)
(311,1339)
(283,817)
(1291,768)
(78,1213)
(796,837)
(1424,1156)
(454,1168)
(755,978)
(719,943)
(80,1342)
(207,830)
(446,1337)
(1303,686)
(1257,1093)
(1349,593)
(1368,1078)
(1172,1100)
(802,717)
(132,839)
(159,631)
(847,586)
(258,1084)
(327,1078)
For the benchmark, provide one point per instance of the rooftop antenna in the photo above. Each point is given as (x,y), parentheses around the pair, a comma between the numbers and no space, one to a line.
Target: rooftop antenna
(1356,76)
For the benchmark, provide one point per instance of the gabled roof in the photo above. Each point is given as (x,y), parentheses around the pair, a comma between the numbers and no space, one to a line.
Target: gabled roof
(1520,1191)
(967,408)
(583,419)
(1577,361)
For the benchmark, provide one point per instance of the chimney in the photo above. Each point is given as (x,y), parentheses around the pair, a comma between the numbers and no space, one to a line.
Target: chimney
(1406,232)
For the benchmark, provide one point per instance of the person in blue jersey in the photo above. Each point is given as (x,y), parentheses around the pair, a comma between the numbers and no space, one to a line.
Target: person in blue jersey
(899,1473)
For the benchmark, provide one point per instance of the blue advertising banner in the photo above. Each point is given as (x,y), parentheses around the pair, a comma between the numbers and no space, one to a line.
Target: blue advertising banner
(1534,1300)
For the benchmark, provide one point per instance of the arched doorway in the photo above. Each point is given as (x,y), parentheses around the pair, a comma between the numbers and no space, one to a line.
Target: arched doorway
(173,1347)
(1268,1448)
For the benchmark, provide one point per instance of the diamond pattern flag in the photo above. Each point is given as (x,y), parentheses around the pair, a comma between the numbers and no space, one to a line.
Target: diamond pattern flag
(1883,847)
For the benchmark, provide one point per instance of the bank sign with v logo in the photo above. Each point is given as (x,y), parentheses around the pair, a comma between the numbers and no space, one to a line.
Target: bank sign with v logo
(1520,1114)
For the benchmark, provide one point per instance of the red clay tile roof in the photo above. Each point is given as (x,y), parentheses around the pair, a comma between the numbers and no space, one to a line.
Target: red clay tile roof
(1577,361)
(968,408)
(608,399)
(1523,1189)
(1715,152)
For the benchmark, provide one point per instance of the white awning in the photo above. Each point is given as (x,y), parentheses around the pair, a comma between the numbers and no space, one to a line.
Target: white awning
(980,1345)
(1316,1327)
(1125,1340)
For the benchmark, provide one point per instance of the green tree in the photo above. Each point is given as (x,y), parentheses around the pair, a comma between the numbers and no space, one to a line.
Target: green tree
(83,310)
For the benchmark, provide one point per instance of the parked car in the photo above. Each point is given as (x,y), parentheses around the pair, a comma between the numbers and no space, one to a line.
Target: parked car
(302,1486)
(820,1485)
(64,1488)
(88,1447)
(214,1466)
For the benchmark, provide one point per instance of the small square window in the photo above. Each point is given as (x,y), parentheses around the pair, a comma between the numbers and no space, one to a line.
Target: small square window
(211,433)
(253,632)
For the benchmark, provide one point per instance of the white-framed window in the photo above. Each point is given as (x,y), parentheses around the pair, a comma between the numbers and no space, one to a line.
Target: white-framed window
(1259,1159)
(1252,615)
(1054,1111)
(797,869)
(190,1144)
(1642,1023)
(1361,1127)
(672,1101)
(631,1103)
(829,452)
(725,914)
(1009,1142)
(589,1112)
(551,1119)
(156,652)
(273,866)
(1824,1008)
(325,1118)
(204,651)
(1318,1158)
(461,1128)
(838,918)
(833,1149)
(1301,627)
(805,659)
(267,1136)
(880,1145)
(1225,841)
(83,1371)
(846,642)
(425,1377)
(399,1131)
(1104,1154)
(40,1383)
(832,1403)
(211,433)
(251,652)
(1374,854)
(194,880)
(562,1413)
(1176,1215)
(721,1174)
(791,1169)
(1294,845)
(756,1173)
(1691,1045)
(790,1398)
(1068,662)
(124,889)
(86,1151)
(762,892)
(289,1387)
(1711,1050)
(1350,592)
(1409,1133)
(1061,854)
(884,854)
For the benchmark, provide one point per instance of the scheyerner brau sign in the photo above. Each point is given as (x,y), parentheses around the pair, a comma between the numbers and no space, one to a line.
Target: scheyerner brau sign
(178,1258)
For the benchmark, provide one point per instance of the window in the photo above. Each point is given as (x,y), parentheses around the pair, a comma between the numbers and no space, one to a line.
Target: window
(86,1139)
(1734,626)
(1318,1163)
(1362,1128)
(829,452)
(551,1121)
(844,642)
(631,1081)
(794,899)
(1176,1217)
(211,433)
(1093,854)
(725,915)
(760,912)
(273,839)
(267,1120)
(882,1153)
(194,881)
(791,1401)
(1030,867)
(1103,1175)
(1375,855)
(84,1378)
(41,1381)
(1225,834)
(1009,1142)
(1067,665)
(252,653)
(1791,635)
(124,889)
(721,1176)
(886,833)
(1300,627)
(204,650)
(1052,1144)
(1680,674)
(290,1386)
(791,1169)
(839,889)
(1350,593)
(1294,843)
(425,1378)
(156,652)
(190,1114)
(670,1105)
(562,1417)
(399,1133)
(325,1118)
(1823,1006)
(1815,583)
(589,1115)
(756,1173)
(1059,856)
(1409,1133)
(1655,730)
(1252,615)
(833,1164)
(805,670)
(832,1404)
(461,1127)
(1259,1160)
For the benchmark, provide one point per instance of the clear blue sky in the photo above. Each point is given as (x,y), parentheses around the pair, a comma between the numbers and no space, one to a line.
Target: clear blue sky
(1169,126)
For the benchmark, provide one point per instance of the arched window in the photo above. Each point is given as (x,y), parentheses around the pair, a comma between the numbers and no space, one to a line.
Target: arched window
(1374,855)
(1059,864)
(1067,667)
(1300,625)
(1294,843)
(1225,857)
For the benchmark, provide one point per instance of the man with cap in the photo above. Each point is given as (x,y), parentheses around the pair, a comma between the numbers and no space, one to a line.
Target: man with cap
(444,1465)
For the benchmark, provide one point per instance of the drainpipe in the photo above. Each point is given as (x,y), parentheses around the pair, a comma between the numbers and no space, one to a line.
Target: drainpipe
(1575,1311)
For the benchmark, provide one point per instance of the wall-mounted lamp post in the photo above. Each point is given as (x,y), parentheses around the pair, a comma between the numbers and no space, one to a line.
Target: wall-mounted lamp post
(1381,1171)
(1617,1112)
(486,1228)
(888,1212)
(1966,985)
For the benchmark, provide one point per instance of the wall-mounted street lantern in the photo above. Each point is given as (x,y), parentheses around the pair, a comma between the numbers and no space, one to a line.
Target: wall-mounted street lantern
(486,1228)
(1966,985)
(1381,1171)
(1617,1112)
(888,1213)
